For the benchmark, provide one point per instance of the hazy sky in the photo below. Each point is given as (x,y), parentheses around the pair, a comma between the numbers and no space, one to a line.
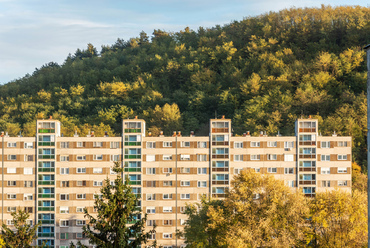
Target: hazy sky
(35,32)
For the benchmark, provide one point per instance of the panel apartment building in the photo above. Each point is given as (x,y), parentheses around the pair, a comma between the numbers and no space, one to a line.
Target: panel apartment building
(54,177)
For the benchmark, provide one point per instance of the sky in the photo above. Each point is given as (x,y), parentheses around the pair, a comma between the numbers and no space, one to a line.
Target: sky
(35,32)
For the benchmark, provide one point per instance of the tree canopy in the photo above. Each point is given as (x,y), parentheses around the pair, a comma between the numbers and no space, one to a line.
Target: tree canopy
(263,72)
(118,221)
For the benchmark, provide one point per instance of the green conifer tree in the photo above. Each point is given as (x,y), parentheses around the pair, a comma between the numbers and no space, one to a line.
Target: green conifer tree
(118,222)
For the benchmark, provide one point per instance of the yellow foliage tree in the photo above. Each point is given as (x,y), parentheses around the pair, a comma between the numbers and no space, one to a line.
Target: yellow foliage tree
(339,219)
(259,211)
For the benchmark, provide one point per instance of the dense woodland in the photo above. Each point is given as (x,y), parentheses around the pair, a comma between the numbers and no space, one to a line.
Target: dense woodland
(262,72)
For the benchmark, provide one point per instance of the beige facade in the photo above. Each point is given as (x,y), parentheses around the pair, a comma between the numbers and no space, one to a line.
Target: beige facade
(55,177)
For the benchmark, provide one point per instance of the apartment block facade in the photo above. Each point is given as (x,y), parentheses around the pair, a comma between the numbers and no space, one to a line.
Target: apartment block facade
(54,177)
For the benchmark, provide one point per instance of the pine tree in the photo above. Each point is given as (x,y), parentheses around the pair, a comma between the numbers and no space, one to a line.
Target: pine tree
(22,235)
(118,222)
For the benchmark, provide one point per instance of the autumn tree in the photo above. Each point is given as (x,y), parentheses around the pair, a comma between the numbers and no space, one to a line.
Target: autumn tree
(339,219)
(118,222)
(22,234)
(259,211)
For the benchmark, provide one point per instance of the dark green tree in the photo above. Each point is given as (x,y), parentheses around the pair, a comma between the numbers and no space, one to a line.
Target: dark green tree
(22,235)
(118,222)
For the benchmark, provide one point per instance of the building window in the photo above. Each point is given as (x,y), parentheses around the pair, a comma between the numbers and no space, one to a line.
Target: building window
(202,144)
(79,209)
(150,210)
(64,171)
(98,144)
(238,145)
(64,184)
(289,144)
(342,143)
(152,235)
(272,144)
(12,144)
(150,158)
(97,170)
(150,171)
(325,157)
(167,209)
(64,144)
(325,183)
(167,170)
(80,157)
(342,157)
(290,183)
(255,144)
(81,170)
(288,157)
(272,170)
(98,183)
(167,222)
(201,157)
(185,170)
(28,171)
(80,222)
(238,158)
(325,144)
(64,158)
(342,169)
(167,235)
(255,157)
(202,171)
(202,184)
(150,145)
(12,209)
(271,156)
(64,197)
(11,170)
(64,223)
(185,144)
(150,183)
(28,145)
(64,210)
(325,170)
(80,196)
(185,183)
(184,157)
(114,144)
(12,183)
(28,197)
(80,144)
(28,157)
(167,144)
(342,183)
(167,157)
(63,236)
(12,157)
(114,157)
(10,222)
(81,183)
(288,170)
(150,197)
(98,157)
(185,196)
(167,196)
(167,183)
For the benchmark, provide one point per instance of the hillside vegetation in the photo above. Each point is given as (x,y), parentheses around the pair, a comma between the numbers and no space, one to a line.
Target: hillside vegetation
(262,72)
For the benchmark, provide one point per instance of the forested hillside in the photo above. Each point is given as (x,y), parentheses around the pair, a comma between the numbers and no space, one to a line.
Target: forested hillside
(262,72)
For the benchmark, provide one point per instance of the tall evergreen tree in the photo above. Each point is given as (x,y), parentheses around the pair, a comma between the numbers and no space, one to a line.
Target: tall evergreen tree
(118,222)
(22,235)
